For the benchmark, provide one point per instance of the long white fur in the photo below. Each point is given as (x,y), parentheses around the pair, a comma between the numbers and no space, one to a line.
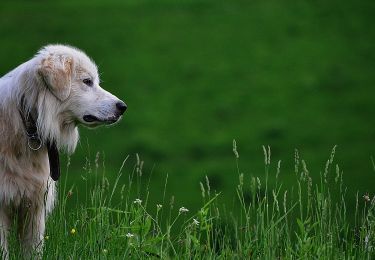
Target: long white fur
(26,188)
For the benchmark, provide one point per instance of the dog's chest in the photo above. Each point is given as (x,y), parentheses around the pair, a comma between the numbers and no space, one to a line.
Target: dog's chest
(22,179)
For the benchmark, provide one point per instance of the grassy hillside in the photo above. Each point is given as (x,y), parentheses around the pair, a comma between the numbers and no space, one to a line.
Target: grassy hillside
(198,73)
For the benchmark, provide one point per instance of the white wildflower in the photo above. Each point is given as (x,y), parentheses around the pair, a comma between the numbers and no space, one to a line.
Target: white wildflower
(129,235)
(137,201)
(159,206)
(195,222)
(183,210)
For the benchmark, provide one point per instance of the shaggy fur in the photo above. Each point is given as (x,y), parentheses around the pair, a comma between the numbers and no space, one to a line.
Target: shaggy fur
(59,87)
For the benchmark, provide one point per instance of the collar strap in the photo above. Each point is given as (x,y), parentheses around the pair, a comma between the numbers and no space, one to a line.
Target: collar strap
(35,143)
(54,161)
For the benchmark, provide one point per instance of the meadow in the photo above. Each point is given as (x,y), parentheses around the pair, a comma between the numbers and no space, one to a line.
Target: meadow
(266,221)
(197,74)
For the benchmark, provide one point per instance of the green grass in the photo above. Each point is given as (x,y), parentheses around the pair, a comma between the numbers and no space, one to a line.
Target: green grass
(198,73)
(265,221)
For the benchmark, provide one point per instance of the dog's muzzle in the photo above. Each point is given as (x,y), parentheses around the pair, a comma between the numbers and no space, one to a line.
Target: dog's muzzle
(120,110)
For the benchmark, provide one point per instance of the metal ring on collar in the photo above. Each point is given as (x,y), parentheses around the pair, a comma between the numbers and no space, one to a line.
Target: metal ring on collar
(33,147)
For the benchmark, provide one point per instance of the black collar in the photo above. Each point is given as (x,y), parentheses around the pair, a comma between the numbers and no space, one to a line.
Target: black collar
(35,143)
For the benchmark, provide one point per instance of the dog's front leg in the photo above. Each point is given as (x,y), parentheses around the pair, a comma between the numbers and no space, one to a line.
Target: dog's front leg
(31,225)
(4,231)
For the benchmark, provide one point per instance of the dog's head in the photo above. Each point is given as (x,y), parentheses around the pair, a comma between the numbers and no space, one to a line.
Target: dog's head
(72,78)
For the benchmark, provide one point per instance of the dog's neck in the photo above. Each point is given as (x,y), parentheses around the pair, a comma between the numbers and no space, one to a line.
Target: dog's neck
(35,142)
(45,107)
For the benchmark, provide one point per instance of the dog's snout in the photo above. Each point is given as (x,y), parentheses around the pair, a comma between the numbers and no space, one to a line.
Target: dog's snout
(121,106)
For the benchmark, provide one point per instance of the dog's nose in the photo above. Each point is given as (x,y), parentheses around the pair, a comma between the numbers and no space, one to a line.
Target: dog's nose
(121,106)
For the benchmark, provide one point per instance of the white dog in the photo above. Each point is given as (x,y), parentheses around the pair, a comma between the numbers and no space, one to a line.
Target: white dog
(41,103)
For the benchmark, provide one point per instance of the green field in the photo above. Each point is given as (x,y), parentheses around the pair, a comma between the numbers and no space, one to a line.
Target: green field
(312,221)
(197,74)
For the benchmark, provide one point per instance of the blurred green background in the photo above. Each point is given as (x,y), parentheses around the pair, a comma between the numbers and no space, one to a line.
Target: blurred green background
(197,74)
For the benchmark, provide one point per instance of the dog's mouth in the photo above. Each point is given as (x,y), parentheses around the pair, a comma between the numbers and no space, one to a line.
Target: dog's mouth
(91,119)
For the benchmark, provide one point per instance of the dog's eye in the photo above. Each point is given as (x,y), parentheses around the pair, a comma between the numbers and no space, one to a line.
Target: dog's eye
(88,82)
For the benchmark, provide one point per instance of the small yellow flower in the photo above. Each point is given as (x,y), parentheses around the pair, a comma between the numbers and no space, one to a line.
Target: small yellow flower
(46,237)
(73,231)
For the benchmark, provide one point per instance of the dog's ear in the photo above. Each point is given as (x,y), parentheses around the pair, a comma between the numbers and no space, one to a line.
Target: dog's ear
(56,72)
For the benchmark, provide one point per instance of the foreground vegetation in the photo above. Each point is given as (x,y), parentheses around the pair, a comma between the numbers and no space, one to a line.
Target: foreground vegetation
(266,222)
